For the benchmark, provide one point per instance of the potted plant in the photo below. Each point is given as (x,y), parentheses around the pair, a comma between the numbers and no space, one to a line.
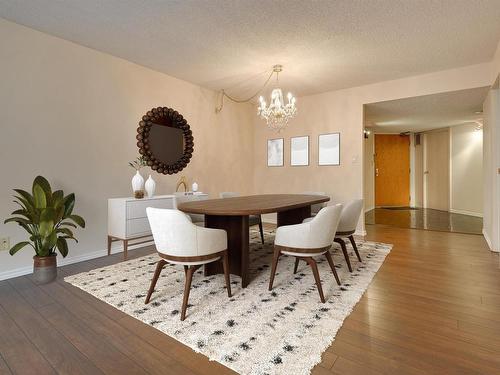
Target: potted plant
(48,218)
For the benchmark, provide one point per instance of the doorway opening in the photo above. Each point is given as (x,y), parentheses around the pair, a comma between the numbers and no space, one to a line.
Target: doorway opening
(423,162)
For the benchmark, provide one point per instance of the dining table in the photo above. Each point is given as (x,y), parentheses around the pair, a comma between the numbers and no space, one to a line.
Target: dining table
(232,215)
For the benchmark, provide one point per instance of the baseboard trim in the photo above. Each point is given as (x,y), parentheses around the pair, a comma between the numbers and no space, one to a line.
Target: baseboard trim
(465,212)
(488,241)
(26,270)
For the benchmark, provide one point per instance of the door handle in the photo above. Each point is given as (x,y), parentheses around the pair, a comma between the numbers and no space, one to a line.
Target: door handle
(376,172)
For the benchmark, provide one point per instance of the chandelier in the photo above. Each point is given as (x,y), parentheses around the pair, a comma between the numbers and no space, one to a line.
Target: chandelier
(277,114)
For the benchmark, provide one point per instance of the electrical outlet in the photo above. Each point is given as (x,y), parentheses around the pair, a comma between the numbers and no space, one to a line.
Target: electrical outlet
(4,243)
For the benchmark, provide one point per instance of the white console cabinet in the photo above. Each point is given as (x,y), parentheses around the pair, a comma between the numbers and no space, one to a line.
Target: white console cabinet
(127,219)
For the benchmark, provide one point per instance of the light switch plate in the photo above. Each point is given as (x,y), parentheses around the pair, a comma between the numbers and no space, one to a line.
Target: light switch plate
(4,243)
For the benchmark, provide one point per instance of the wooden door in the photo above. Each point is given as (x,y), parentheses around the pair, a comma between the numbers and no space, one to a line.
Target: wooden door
(392,170)
(437,170)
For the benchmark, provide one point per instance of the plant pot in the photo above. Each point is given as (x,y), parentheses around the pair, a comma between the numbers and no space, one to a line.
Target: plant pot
(44,269)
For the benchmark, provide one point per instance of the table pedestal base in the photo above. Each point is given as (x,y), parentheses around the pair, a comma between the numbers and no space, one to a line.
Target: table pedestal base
(237,245)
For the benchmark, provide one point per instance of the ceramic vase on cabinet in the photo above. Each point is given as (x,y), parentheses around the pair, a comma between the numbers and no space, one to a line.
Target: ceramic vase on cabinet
(150,187)
(138,185)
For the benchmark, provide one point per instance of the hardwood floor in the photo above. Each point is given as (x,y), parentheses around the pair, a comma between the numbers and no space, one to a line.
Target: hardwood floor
(433,308)
(425,218)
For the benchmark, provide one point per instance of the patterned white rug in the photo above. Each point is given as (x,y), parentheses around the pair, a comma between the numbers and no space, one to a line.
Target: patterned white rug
(284,331)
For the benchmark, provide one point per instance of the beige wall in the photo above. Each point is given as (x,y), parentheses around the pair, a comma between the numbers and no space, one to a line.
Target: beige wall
(70,113)
(466,151)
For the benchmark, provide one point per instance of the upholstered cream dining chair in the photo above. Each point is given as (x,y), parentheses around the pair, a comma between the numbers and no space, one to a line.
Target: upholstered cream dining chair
(315,207)
(252,219)
(308,240)
(347,226)
(179,241)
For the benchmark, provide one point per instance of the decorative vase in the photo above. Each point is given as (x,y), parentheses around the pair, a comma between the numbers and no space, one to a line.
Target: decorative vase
(194,187)
(44,269)
(138,185)
(150,187)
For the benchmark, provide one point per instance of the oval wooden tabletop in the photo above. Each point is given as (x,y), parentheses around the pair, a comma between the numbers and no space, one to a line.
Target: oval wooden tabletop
(252,204)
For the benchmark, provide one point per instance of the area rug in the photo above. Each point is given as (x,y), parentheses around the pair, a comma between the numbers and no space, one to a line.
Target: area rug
(283,331)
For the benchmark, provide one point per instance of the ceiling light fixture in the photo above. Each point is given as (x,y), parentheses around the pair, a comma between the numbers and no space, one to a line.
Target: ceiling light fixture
(277,114)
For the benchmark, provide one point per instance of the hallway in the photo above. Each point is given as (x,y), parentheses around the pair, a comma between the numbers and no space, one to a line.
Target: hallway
(424,218)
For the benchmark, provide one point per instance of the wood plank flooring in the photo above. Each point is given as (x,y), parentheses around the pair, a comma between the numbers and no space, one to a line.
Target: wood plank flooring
(433,308)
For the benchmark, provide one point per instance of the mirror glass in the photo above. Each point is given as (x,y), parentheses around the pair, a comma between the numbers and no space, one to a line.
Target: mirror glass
(166,143)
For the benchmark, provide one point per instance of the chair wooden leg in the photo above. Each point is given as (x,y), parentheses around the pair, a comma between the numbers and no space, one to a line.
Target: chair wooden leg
(314,268)
(332,266)
(225,265)
(261,230)
(344,250)
(159,267)
(276,257)
(296,266)
(187,288)
(353,243)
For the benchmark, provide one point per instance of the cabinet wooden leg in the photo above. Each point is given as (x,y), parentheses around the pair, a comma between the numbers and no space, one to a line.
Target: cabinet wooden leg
(125,249)
(110,242)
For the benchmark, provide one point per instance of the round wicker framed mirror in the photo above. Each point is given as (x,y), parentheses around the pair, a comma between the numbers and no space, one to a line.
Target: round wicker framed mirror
(165,140)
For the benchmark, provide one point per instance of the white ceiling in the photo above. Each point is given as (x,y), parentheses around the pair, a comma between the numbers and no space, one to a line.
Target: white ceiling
(426,112)
(232,44)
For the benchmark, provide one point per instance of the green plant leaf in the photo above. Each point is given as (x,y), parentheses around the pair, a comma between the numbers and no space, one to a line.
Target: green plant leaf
(39,195)
(62,246)
(18,247)
(50,241)
(18,220)
(69,203)
(44,184)
(48,214)
(26,196)
(57,199)
(70,238)
(66,231)
(46,228)
(78,220)
(69,224)
(22,212)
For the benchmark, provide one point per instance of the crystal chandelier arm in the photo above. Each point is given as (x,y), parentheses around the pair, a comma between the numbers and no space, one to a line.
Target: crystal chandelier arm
(224,94)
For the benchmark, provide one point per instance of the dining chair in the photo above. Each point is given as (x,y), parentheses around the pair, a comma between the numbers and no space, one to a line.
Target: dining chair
(179,241)
(308,240)
(252,219)
(315,208)
(197,219)
(347,226)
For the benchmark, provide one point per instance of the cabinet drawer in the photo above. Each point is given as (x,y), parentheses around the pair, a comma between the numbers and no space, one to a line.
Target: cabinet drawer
(137,209)
(138,227)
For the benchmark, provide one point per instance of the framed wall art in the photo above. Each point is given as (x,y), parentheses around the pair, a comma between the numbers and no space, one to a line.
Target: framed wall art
(299,151)
(329,149)
(275,152)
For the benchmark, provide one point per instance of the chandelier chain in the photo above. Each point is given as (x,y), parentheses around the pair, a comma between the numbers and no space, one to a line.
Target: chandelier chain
(225,94)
